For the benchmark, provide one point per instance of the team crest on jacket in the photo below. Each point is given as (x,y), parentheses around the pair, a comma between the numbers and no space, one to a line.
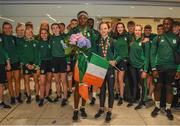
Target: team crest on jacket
(42,71)
(162,40)
(140,44)
(25,46)
(174,41)
(34,45)
(125,39)
(42,46)
(0,39)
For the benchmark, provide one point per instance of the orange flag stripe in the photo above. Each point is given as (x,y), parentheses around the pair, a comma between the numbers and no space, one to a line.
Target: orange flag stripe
(92,80)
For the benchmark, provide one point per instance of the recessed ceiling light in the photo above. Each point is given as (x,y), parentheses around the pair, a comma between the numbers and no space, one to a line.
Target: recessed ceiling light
(86,3)
(132,7)
(98,15)
(170,8)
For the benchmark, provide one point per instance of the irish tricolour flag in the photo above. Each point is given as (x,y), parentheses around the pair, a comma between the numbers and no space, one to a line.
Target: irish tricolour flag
(96,71)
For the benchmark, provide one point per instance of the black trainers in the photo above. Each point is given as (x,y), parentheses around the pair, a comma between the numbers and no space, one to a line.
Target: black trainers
(140,105)
(93,100)
(49,99)
(108,116)
(13,100)
(3,105)
(154,113)
(130,104)
(120,102)
(28,101)
(169,114)
(83,113)
(116,96)
(25,93)
(56,99)
(50,91)
(99,113)
(41,102)
(75,115)
(37,98)
(64,102)
(69,94)
(19,99)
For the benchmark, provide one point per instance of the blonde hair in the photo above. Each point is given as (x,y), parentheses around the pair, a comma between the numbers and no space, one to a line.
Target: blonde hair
(138,25)
(20,25)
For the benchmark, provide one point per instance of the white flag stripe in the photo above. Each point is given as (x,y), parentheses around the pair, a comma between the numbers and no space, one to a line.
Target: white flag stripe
(96,70)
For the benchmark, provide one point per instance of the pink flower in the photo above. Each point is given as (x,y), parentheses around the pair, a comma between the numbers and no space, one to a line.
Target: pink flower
(73,39)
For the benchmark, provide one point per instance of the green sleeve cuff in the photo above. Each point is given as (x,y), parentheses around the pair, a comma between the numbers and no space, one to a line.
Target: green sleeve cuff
(178,68)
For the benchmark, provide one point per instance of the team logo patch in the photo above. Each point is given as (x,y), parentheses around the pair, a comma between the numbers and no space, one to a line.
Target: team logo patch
(53,69)
(42,46)
(174,41)
(125,39)
(49,46)
(0,39)
(34,45)
(25,46)
(140,44)
(162,40)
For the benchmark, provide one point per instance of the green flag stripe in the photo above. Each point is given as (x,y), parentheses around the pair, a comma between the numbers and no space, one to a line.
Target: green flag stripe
(99,61)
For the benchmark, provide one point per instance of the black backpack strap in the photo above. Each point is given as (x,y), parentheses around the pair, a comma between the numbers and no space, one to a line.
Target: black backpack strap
(169,43)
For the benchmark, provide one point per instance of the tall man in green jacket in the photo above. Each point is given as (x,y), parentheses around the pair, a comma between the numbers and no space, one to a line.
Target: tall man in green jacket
(87,32)
(165,71)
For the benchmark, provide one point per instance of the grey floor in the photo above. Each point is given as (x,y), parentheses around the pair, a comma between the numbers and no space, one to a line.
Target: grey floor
(54,114)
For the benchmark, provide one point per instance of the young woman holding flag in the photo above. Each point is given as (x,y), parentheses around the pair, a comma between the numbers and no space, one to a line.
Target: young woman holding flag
(106,50)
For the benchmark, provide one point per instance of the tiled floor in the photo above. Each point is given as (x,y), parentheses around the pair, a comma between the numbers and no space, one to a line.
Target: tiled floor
(54,114)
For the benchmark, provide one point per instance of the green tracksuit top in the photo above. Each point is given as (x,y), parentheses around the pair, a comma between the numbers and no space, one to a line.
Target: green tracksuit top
(3,53)
(162,54)
(121,48)
(19,42)
(44,50)
(57,49)
(139,54)
(30,52)
(9,43)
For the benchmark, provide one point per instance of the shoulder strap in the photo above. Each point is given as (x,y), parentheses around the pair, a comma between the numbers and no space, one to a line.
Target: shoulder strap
(169,43)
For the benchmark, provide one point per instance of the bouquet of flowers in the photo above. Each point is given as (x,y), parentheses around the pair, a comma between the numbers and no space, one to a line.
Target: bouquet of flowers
(78,43)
